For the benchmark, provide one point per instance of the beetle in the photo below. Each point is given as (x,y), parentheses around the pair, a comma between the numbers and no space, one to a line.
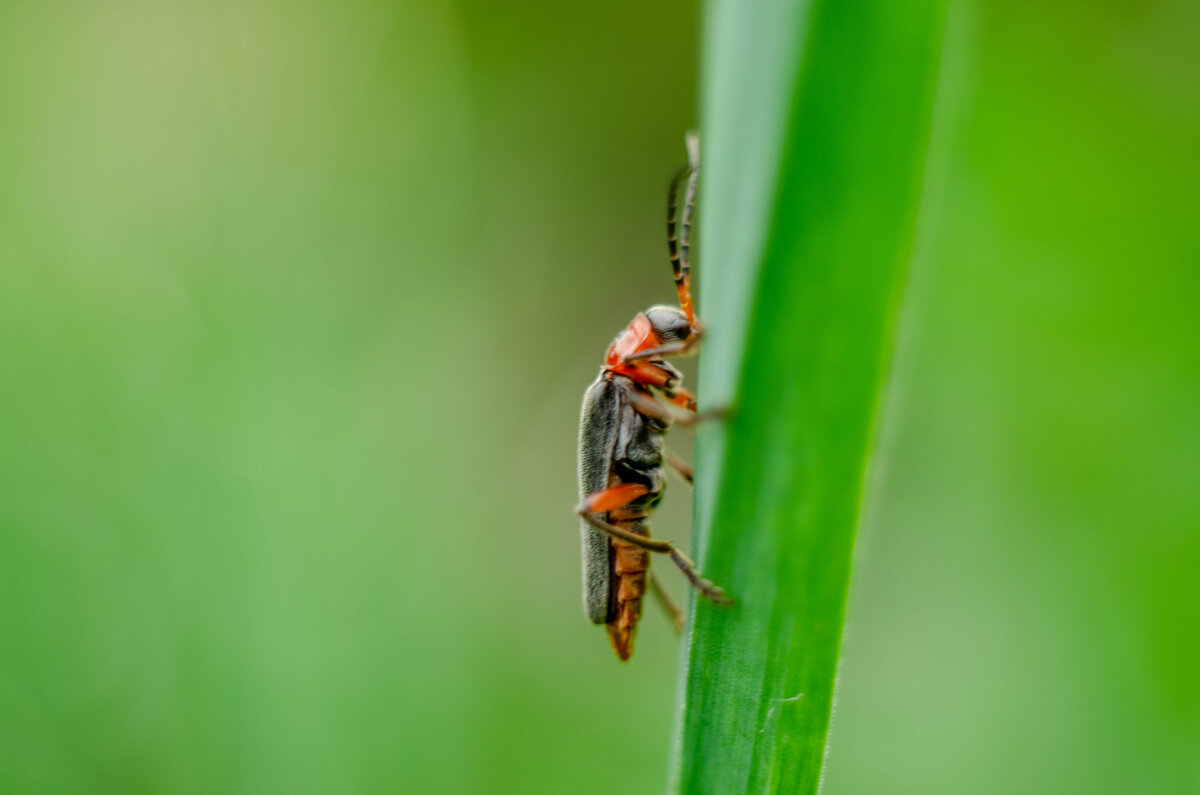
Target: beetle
(621,451)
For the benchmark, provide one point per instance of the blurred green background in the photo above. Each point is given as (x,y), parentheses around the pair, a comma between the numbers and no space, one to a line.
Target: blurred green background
(1026,610)
(297,303)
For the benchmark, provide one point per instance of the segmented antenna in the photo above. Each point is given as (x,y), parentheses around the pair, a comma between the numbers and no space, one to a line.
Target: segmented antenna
(678,246)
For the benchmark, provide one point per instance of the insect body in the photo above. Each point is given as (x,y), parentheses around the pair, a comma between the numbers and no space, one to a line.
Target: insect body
(621,452)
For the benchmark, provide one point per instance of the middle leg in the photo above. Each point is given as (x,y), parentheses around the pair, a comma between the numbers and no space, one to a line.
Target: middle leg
(668,604)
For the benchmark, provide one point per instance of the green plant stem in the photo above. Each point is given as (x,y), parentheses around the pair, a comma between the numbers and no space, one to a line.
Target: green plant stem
(800,297)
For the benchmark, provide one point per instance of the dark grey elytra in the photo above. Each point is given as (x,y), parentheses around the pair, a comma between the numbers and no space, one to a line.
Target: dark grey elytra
(617,444)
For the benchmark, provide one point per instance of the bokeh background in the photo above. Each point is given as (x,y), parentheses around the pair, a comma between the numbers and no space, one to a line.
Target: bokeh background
(297,302)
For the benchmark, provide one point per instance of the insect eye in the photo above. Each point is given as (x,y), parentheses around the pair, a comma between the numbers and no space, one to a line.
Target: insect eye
(669,323)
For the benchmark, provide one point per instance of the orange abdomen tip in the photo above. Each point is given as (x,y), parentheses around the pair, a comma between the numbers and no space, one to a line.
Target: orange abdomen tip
(629,567)
(622,641)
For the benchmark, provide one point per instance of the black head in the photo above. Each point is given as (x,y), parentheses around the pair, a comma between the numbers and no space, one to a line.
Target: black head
(669,323)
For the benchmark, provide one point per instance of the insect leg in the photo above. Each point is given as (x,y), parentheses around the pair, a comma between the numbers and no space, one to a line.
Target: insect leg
(689,417)
(681,468)
(684,348)
(668,604)
(685,564)
(612,498)
(648,405)
(677,398)
(713,593)
(682,415)
(685,400)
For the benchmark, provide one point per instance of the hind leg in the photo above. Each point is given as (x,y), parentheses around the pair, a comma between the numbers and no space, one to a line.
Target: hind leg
(618,496)
(668,604)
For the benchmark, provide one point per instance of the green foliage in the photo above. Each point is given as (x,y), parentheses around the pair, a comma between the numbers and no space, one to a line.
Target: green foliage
(285,494)
(815,280)
(298,300)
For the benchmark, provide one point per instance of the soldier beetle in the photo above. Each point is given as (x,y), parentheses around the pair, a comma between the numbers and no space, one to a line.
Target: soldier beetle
(621,451)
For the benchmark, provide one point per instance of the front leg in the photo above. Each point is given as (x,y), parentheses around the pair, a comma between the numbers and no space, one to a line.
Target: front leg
(684,348)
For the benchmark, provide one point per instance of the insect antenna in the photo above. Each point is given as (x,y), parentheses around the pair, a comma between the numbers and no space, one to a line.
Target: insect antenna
(678,245)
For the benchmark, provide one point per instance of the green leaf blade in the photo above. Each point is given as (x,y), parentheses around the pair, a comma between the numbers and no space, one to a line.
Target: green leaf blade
(780,484)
